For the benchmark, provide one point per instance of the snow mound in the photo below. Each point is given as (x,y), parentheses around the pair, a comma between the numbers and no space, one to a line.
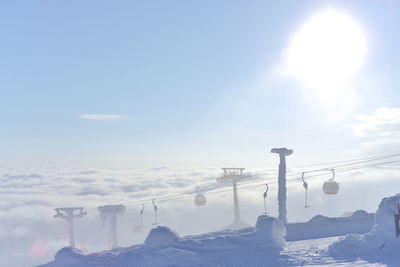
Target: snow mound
(359,213)
(358,222)
(69,255)
(161,236)
(271,229)
(380,244)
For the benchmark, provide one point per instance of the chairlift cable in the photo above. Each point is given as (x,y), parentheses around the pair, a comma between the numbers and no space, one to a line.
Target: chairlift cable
(216,191)
(273,181)
(353,162)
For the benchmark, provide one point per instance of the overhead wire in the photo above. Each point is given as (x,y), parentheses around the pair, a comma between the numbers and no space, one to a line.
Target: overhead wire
(272,180)
(222,190)
(353,162)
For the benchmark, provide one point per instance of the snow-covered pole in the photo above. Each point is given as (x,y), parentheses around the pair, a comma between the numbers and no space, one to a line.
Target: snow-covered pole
(236,201)
(234,175)
(112,212)
(68,214)
(283,152)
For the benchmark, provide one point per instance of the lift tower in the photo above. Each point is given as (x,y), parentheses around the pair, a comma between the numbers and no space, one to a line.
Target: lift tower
(111,213)
(234,175)
(283,152)
(68,214)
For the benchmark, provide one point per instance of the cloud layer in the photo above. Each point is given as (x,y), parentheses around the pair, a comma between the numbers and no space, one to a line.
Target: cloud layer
(29,196)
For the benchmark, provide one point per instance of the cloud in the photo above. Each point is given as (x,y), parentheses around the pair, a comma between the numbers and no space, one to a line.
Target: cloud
(380,131)
(92,191)
(102,117)
(385,122)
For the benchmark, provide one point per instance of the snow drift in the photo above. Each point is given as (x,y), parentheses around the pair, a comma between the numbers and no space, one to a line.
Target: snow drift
(378,245)
(359,222)
(258,246)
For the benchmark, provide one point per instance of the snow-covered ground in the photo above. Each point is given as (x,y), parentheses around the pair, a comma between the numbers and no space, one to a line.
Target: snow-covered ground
(262,245)
(359,222)
(311,252)
(378,245)
(163,247)
(314,252)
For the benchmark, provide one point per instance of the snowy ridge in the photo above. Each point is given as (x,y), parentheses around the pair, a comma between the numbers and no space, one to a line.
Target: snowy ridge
(359,222)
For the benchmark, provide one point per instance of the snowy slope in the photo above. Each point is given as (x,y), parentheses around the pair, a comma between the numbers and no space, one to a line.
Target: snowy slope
(311,252)
(314,252)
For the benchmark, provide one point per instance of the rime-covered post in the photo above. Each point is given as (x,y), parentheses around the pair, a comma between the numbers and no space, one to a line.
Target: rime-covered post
(68,214)
(111,212)
(283,152)
(234,175)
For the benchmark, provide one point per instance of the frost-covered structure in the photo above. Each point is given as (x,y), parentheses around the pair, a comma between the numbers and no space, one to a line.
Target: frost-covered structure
(283,153)
(380,244)
(256,246)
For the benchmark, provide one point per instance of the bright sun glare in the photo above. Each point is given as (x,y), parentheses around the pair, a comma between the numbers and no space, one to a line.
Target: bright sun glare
(326,52)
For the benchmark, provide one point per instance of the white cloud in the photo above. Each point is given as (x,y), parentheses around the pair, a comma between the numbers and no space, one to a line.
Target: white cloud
(385,122)
(379,132)
(102,117)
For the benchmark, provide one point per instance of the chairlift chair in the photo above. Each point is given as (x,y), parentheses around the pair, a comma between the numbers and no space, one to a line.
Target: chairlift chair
(265,201)
(155,211)
(139,225)
(397,220)
(331,187)
(199,199)
(305,185)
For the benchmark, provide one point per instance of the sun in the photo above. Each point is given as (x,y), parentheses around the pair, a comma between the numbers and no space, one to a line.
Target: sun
(326,52)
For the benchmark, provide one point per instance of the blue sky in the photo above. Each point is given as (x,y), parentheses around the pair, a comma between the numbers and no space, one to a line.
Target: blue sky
(189,78)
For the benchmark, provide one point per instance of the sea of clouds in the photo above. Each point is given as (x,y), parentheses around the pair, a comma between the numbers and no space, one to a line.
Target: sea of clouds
(30,235)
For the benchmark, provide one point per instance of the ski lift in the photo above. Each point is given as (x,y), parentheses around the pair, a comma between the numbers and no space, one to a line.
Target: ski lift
(155,211)
(199,199)
(331,187)
(265,201)
(139,226)
(305,185)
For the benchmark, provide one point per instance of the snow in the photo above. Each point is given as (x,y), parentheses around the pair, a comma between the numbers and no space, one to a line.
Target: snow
(358,222)
(161,236)
(261,245)
(69,256)
(163,247)
(313,252)
(378,245)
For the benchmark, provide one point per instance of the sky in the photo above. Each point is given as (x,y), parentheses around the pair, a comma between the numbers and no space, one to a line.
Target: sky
(185,79)
(110,102)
